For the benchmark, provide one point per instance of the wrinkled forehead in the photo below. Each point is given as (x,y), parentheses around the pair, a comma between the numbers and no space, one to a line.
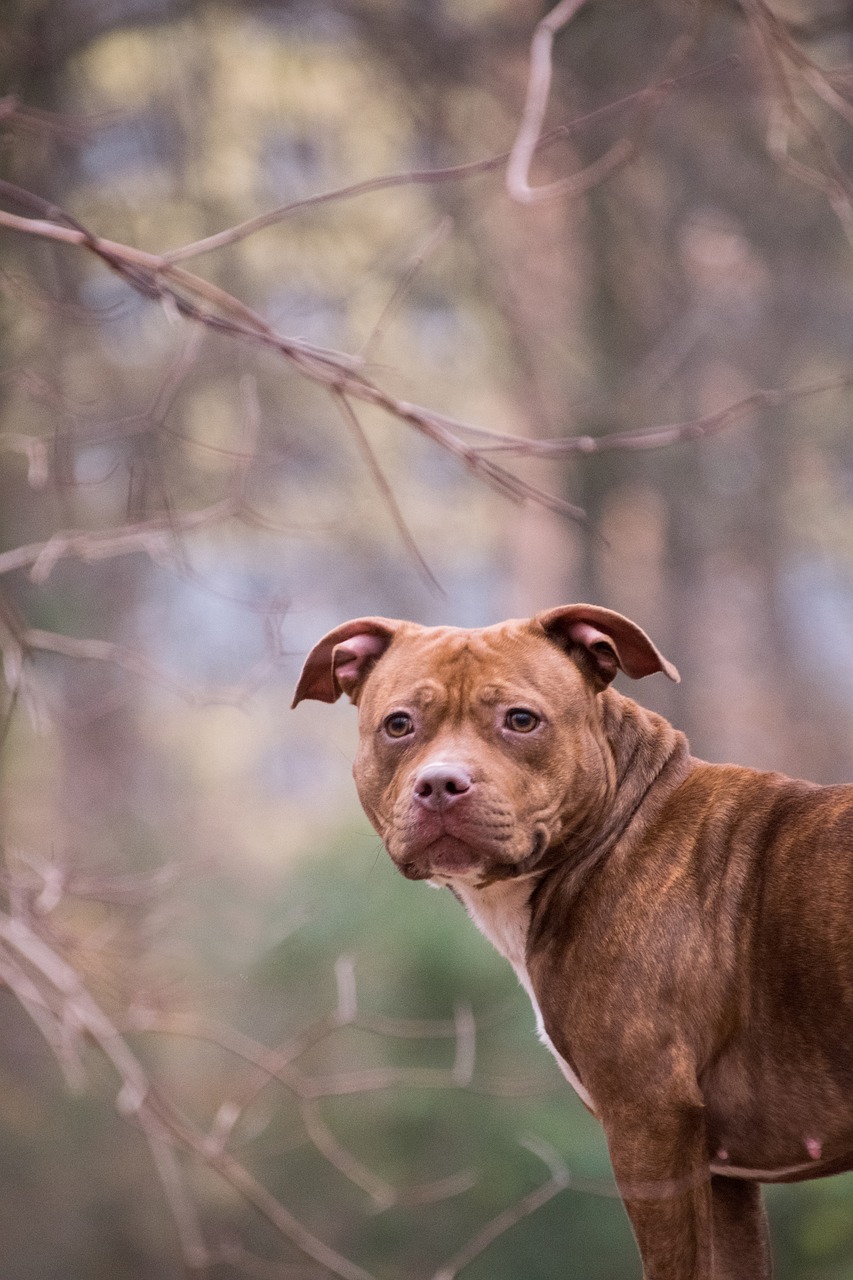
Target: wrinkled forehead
(512,658)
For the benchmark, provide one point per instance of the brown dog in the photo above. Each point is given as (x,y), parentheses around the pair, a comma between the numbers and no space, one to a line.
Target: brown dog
(684,930)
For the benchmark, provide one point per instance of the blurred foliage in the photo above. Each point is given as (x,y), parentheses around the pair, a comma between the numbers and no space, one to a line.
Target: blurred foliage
(416,957)
(418,950)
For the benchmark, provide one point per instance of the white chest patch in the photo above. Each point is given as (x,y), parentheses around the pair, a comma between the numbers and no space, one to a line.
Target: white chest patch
(501,913)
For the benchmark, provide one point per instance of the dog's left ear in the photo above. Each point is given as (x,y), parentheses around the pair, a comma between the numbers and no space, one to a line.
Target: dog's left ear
(341,661)
(612,642)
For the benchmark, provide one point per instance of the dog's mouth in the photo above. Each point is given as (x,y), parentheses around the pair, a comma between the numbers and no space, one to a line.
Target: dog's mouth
(445,856)
(449,857)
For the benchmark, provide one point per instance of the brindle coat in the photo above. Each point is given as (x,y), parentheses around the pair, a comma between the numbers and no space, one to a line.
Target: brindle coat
(683,929)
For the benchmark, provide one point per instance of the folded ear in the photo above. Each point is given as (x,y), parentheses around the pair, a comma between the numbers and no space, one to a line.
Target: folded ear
(611,641)
(341,661)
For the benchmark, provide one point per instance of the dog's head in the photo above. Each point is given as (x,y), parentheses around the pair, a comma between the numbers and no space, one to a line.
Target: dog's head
(480,749)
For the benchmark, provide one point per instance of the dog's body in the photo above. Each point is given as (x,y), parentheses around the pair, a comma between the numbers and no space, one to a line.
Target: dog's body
(684,930)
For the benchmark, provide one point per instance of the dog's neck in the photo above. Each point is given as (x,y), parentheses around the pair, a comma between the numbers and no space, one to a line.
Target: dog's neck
(645,757)
(648,755)
(648,759)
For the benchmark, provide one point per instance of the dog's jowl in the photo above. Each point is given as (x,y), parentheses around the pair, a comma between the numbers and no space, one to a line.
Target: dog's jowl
(684,929)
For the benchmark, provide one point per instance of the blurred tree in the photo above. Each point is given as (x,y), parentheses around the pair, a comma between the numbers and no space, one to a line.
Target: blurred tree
(199,473)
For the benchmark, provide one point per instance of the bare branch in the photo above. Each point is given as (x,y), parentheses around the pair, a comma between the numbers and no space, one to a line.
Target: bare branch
(120,656)
(386,491)
(533,115)
(433,242)
(466,1045)
(785,64)
(65,1048)
(417,177)
(663,436)
(154,538)
(277,1065)
(272,1209)
(35,452)
(510,1217)
(184,1212)
(159,1121)
(347,994)
(425,177)
(31,120)
(207,304)
(382,1193)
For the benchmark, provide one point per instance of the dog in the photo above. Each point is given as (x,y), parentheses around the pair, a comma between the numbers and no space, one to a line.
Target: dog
(684,930)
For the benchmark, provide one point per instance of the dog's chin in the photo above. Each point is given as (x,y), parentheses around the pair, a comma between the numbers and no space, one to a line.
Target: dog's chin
(449,858)
(445,857)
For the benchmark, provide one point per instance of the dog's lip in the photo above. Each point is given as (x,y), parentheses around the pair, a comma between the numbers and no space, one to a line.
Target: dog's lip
(449,853)
(458,857)
(413,870)
(446,855)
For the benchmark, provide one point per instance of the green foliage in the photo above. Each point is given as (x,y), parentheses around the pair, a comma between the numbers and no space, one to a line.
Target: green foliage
(417,956)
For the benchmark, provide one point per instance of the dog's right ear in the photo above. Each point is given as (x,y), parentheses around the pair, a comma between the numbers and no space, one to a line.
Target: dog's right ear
(340,662)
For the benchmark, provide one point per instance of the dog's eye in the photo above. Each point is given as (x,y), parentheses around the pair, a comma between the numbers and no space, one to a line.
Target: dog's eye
(520,720)
(398,725)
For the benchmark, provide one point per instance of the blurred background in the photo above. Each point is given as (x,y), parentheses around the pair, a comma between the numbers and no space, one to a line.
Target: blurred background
(234,1041)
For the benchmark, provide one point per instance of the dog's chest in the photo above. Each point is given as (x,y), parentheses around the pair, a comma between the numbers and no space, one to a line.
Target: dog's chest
(501,912)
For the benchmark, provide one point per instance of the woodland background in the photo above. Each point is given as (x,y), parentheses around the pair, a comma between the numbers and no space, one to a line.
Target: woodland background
(234,1042)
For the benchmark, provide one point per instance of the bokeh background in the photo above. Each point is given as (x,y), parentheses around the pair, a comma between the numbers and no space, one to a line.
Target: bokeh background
(182,853)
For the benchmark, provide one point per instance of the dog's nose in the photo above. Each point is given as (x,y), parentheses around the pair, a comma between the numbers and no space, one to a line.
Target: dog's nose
(439,785)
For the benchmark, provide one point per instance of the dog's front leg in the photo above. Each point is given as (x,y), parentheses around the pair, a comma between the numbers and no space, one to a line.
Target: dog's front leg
(659,1155)
(741,1239)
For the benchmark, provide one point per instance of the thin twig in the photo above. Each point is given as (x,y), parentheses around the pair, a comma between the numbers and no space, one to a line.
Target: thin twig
(657,437)
(416,177)
(90,650)
(387,492)
(184,1212)
(149,537)
(207,304)
(511,1216)
(427,249)
(783,60)
(158,1119)
(536,102)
